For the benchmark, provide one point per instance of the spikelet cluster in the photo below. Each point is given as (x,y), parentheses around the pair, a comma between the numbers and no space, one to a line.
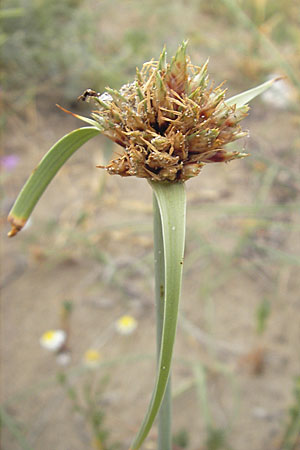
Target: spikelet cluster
(170,121)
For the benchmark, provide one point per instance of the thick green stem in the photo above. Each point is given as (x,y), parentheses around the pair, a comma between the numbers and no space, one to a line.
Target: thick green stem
(169,236)
(164,440)
(164,416)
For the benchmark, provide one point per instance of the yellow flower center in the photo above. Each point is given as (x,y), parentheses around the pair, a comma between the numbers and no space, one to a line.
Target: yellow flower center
(49,335)
(126,324)
(92,355)
(127,321)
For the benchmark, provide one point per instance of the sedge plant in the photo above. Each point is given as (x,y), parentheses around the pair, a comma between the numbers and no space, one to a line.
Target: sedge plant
(170,122)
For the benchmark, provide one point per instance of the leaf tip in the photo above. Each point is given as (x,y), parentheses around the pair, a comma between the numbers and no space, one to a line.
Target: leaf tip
(16,225)
(162,63)
(279,78)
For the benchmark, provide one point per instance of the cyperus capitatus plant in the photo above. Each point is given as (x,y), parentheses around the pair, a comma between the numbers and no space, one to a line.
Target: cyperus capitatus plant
(170,122)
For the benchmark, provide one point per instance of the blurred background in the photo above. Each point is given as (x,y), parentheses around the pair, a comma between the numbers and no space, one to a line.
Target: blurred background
(85,260)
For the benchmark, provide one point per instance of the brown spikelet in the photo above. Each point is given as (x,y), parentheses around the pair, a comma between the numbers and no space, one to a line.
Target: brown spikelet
(169,121)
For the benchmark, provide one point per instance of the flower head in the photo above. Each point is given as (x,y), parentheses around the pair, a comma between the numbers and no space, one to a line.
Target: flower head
(126,324)
(53,340)
(92,358)
(170,121)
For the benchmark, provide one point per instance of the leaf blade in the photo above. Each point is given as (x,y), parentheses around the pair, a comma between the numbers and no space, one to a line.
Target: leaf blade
(245,97)
(42,175)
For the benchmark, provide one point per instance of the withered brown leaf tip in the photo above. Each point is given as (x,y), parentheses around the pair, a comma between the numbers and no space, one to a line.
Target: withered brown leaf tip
(169,121)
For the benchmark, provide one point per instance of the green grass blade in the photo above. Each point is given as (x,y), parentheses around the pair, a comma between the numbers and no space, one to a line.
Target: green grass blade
(8,421)
(172,204)
(257,32)
(245,97)
(44,173)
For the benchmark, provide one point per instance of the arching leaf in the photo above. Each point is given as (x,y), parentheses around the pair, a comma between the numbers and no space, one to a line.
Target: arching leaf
(44,173)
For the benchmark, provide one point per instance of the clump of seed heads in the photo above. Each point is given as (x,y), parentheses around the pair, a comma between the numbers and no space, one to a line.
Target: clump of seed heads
(170,121)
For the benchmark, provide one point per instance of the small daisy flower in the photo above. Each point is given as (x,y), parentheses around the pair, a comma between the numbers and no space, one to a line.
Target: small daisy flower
(92,358)
(126,324)
(53,340)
